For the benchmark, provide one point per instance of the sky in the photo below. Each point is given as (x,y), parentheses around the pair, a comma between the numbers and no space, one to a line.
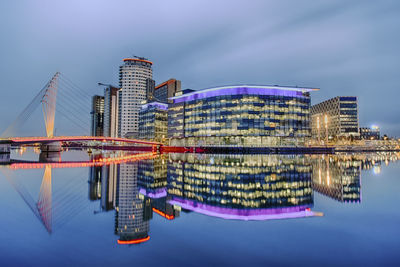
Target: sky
(342,47)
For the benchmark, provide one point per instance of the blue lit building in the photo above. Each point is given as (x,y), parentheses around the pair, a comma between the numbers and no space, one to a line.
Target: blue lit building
(153,121)
(241,115)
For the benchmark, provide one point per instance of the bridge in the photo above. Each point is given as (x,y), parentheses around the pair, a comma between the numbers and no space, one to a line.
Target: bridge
(47,97)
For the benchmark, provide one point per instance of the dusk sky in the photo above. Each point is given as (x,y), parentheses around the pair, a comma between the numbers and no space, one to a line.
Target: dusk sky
(341,47)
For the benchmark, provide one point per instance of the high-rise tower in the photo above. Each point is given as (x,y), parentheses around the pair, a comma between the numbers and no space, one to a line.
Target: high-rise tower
(132,80)
(97,115)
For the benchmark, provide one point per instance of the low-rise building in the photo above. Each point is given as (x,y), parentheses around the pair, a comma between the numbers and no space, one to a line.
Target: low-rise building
(370,133)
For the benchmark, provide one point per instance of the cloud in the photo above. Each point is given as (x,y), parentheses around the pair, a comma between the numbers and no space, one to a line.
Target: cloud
(343,47)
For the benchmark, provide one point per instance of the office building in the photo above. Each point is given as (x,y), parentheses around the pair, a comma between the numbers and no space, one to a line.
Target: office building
(153,122)
(166,90)
(97,115)
(370,133)
(111,111)
(241,115)
(336,118)
(132,78)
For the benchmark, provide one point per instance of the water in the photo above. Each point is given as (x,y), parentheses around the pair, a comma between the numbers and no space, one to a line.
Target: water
(200,210)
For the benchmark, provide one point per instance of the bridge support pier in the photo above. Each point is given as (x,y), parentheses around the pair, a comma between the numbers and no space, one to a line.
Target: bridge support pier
(5,148)
(51,147)
(4,157)
(49,157)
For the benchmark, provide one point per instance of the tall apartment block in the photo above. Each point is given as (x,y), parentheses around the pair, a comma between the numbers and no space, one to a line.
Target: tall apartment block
(132,79)
(110,128)
(167,89)
(97,115)
(337,117)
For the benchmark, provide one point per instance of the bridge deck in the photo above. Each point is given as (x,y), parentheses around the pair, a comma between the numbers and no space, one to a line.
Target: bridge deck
(32,140)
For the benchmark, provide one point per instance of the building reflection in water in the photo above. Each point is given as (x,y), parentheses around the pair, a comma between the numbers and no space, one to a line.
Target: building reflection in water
(133,211)
(244,187)
(337,176)
(152,181)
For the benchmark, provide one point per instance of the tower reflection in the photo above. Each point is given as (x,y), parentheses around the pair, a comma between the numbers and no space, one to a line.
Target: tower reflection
(133,211)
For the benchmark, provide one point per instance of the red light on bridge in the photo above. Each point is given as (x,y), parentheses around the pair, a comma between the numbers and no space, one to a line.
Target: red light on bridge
(98,162)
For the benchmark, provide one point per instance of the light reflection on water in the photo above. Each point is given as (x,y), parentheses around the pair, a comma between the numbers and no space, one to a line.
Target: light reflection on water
(143,194)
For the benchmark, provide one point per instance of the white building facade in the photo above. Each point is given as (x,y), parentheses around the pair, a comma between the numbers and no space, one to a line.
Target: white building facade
(132,81)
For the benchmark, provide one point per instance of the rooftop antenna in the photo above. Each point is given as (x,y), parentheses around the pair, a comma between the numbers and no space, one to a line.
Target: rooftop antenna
(141,58)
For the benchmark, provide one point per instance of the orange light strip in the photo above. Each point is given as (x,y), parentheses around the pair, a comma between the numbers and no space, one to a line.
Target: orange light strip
(164,83)
(136,59)
(159,212)
(133,241)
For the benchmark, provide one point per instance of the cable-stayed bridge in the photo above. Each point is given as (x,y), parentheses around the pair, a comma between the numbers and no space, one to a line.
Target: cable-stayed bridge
(72,104)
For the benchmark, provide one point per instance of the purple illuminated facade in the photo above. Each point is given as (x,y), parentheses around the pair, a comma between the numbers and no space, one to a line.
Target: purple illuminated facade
(243,115)
(157,193)
(244,214)
(243,90)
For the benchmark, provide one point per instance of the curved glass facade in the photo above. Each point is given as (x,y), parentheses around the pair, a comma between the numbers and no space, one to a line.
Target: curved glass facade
(241,116)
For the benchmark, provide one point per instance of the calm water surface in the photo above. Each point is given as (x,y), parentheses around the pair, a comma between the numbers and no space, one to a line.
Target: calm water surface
(199,210)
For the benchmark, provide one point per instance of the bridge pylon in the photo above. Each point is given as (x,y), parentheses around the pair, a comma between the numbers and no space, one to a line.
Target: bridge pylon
(49,104)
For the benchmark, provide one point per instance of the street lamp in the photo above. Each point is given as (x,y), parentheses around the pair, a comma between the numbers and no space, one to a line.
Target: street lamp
(319,132)
(326,127)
